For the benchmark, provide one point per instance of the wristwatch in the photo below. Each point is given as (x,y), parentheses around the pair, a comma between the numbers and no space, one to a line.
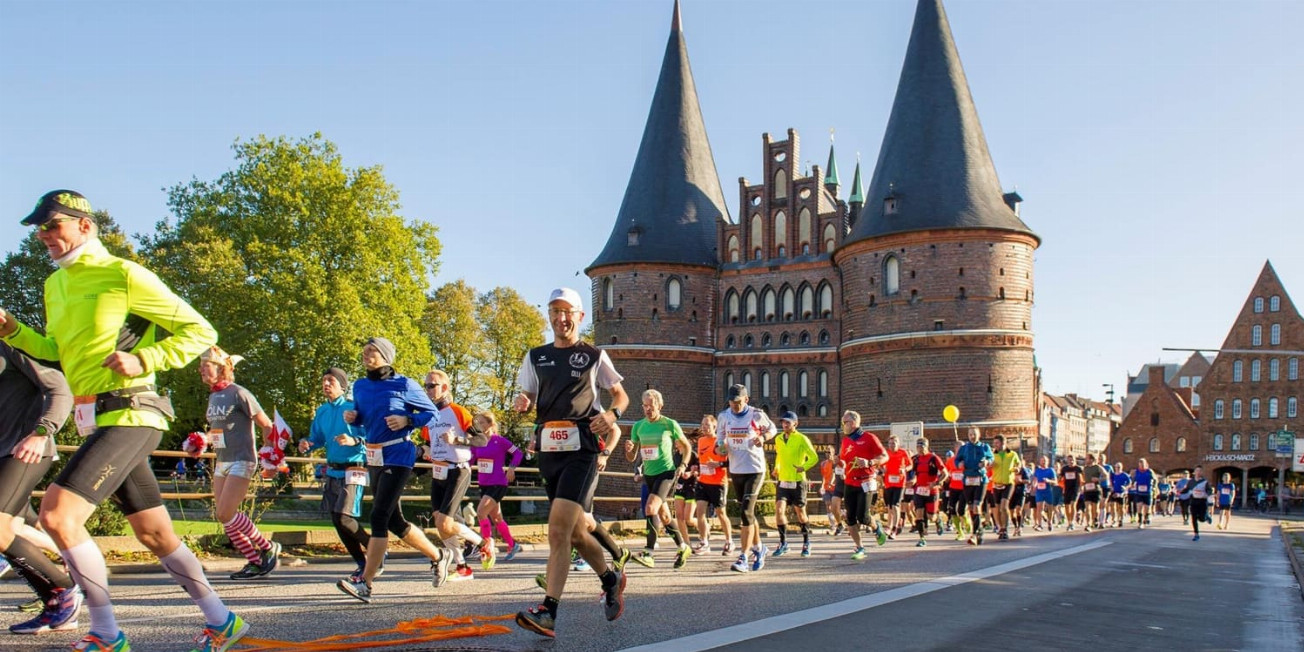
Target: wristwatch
(616,411)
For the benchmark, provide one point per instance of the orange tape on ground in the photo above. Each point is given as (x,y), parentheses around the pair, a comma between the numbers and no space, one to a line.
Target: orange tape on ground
(408,632)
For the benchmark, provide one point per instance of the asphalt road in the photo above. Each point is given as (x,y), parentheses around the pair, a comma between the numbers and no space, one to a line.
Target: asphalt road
(1230,590)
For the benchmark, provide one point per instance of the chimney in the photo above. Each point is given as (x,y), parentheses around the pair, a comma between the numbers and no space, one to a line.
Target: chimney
(1156,375)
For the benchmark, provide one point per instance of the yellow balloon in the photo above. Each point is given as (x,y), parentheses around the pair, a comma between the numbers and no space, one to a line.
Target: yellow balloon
(951,413)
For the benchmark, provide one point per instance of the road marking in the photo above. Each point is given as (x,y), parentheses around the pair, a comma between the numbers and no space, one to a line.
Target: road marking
(784,622)
(1134,563)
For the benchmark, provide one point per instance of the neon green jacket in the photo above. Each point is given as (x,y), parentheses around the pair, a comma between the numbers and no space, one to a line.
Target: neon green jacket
(796,451)
(87,308)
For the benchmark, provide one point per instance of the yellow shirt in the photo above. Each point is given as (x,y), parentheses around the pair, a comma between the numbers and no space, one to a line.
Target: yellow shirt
(1004,465)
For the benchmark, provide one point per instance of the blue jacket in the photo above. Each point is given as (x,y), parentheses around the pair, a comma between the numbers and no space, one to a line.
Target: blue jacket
(327,424)
(377,399)
(971,455)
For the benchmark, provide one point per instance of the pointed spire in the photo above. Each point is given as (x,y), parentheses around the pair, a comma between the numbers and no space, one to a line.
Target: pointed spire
(831,176)
(857,192)
(934,162)
(673,203)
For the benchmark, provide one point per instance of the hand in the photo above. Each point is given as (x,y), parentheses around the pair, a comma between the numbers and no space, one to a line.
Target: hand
(521,403)
(602,424)
(124,364)
(342,440)
(602,464)
(757,441)
(30,449)
(859,463)
(397,422)
(629,445)
(350,416)
(799,469)
(448,436)
(511,476)
(304,445)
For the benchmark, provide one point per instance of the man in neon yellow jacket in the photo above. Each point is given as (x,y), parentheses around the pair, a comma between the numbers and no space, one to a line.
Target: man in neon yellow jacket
(793,456)
(104,322)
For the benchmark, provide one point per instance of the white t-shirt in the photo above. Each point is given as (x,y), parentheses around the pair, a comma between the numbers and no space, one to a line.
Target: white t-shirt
(735,432)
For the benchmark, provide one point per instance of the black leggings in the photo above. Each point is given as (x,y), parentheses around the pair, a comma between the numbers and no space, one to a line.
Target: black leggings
(1199,510)
(747,486)
(385,511)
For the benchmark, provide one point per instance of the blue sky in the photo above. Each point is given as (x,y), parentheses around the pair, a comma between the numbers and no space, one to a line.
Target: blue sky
(1158,145)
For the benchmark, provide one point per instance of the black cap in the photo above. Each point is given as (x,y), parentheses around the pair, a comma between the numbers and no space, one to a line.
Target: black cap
(68,202)
(737,391)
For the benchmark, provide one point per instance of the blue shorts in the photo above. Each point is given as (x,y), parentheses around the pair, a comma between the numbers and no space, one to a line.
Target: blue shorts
(1044,497)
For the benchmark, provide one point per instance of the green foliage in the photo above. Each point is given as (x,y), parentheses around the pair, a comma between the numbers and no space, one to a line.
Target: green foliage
(456,341)
(296,260)
(511,328)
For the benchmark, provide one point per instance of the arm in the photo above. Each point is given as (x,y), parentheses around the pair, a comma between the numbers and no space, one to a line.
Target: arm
(419,406)
(808,457)
(22,337)
(606,421)
(685,449)
(474,437)
(153,300)
(56,397)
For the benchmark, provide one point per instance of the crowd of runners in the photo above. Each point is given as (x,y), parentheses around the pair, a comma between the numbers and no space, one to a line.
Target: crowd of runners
(103,345)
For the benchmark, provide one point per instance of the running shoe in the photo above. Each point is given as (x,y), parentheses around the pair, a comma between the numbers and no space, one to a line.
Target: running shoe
(538,620)
(922,544)
(620,561)
(779,552)
(58,615)
(269,560)
(470,552)
(741,566)
(940,529)
(250,571)
(613,597)
(880,536)
(462,573)
(580,564)
(1196,538)
(439,568)
(488,554)
(838,531)
(859,554)
(891,536)
(972,540)
(6,571)
(1003,536)
(805,550)
(758,558)
(511,554)
(701,548)
(645,559)
(727,548)
(220,638)
(980,537)
(356,576)
(93,643)
(681,558)
(357,590)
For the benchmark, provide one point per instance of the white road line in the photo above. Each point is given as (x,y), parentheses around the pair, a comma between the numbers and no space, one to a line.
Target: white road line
(776,624)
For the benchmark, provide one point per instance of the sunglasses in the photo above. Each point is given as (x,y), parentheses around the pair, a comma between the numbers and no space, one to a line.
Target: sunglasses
(431,385)
(50,225)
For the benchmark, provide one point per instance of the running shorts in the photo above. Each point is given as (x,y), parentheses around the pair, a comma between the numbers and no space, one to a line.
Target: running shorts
(114,461)
(856,503)
(712,494)
(795,496)
(660,484)
(495,491)
(892,496)
(342,498)
(446,495)
(17,480)
(570,476)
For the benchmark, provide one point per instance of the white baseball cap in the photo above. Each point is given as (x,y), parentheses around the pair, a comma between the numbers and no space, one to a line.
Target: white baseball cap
(568,295)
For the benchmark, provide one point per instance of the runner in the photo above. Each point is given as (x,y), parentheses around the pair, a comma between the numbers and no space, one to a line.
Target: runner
(1093,477)
(832,485)
(448,440)
(346,474)
(1005,467)
(1106,489)
(894,483)
(1144,481)
(1197,494)
(712,473)
(930,472)
(494,472)
(973,459)
(1071,474)
(36,402)
(1184,497)
(106,340)
(1165,497)
(1044,500)
(388,407)
(1120,484)
(686,488)
(741,432)
(562,380)
(1021,495)
(233,413)
(860,453)
(793,456)
(1226,498)
(655,438)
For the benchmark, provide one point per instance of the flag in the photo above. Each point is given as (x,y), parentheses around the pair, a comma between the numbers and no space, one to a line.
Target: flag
(281,433)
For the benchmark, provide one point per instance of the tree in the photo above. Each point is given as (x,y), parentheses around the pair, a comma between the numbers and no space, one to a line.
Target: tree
(511,327)
(456,340)
(23,292)
(296,260)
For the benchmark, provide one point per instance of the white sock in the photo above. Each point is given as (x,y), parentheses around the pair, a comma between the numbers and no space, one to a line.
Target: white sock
(185,568)
(87,567)
(468,534)
(454,547)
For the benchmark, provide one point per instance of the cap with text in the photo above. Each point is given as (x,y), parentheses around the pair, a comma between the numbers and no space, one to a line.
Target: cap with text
(67,202)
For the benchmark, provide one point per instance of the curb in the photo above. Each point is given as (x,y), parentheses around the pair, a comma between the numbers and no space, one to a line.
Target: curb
(1291,554)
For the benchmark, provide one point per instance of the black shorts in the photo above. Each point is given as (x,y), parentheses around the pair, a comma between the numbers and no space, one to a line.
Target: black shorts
(17,480)
(1018,496)
(1092,496)
(686,489)
(570,476)
(114,461)
(494,491)
(1001,495)
(892,496)
(711,494)
(660,484)
(955,502)
(341,498)
(1070,494)
(839,487)
(446,495)
(1142,499)
(856,503)
(973,495)
(795,496)
(927,503)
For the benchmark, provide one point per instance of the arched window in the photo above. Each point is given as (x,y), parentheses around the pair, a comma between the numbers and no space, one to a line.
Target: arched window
(1274,335)
(765,384)
(1274,304)
(1274,369)
(785,340)
(803,230)
(789,303)
(1291,407)
(730,343)
(826,301)
(1254,408)
(1154,444)
(1272,408)
(1181,444)
(1237,371)
(780,231)
(783,384)
(807,302)
(803,384)
(824,384)
(765,341)
(824,409)
(802,411)
(728,382)
(734,255)
(749,300)
(1236,441)
(780,184)
(747,381)
(1256,335)
(748,341)
(1258,304)
(731,308)
(674,290)
(1292,369)
(805,338)
(1217,442)
(1256,370)
(824,338)
(1236,408)
(1218,409)
(768,302)
(608,294)
(830,238)
(1254,442)
(891,276)
(758,233)
(1127,445)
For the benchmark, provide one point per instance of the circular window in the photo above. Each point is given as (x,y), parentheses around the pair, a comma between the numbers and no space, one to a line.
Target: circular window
(780,156)
(805,193)
(756,200)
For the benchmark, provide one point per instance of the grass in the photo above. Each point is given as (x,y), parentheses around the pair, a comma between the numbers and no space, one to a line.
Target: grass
(199,528)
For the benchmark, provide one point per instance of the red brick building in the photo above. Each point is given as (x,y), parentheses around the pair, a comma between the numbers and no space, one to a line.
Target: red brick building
(893,302)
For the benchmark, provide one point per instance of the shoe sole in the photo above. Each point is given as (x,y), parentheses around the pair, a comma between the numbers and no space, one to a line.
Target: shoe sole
(530,625)
(645,563)
(352,594)
(72,624)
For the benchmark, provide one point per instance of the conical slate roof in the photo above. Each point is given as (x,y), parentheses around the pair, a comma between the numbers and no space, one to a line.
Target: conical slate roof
(934,159)
(673,203)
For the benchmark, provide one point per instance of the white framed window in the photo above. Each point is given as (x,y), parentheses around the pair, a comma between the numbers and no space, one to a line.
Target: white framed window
(1236,441)
(1181,444)
(1154,444)
(674,294)
(1236,408)
(1237,371)
(1274,369)
(1218,409)
(824,384)
(1254,408)
(1274,304)
(1254,442)
(803,384)
(1256,335)
(891,275)
(1292,369)
(1272,407)
(765,384)
(1274,335)
(1127,445)
(747,381)
(783,384)
(1256,370)
(1258,304)
(1292,406)
(1217,442)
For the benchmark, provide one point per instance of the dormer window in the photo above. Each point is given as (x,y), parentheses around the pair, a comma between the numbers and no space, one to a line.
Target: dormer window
(890,205)
(634,235)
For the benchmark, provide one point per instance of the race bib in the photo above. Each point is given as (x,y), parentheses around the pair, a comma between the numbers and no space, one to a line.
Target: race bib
(439,472)
(740,443)
(1143,488)
(1041,485)
(375,455)
(923,491)
(1090,486)
(1226,492)
(894,479)
(217,438)
(560,437)
(84,415)
(787,484)
(838,472)
(1070,476)
(356,475)
(1198,493)
(484,466)
(973,482)
(650,452)
(957,476)
(869,486)
(708,468)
